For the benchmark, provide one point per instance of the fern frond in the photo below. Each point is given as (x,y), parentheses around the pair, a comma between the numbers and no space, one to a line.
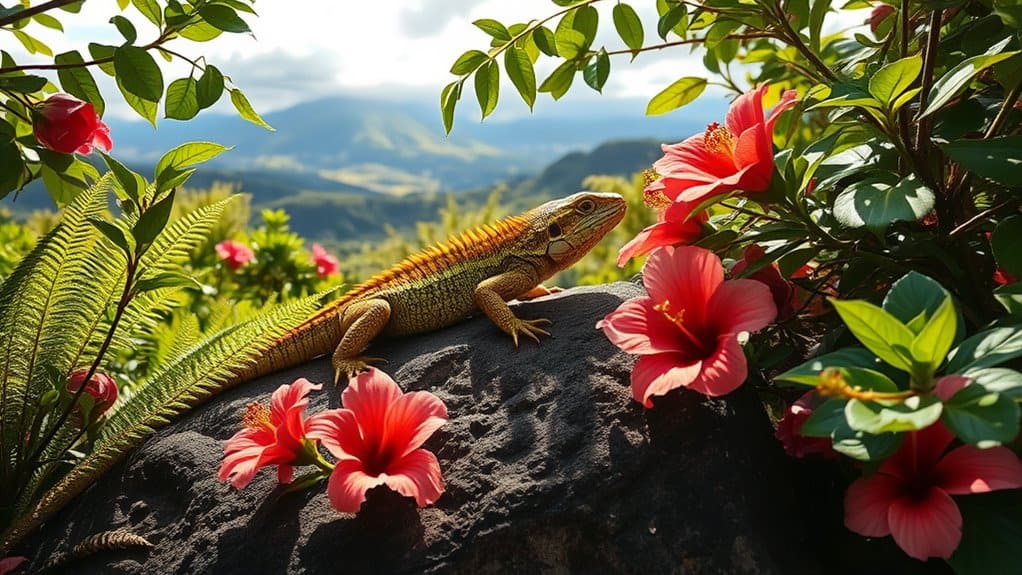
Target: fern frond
(209,367)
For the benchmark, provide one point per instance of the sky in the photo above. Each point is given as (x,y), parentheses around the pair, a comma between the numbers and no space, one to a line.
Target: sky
(305,49)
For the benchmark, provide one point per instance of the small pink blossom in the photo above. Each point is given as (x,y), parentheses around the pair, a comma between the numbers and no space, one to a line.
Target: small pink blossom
(271,436)
(878,15)
(789,429)
(326,264)
(377,438)
(686,329)
(234,254)
(101,387)
(9,564)
(65,124)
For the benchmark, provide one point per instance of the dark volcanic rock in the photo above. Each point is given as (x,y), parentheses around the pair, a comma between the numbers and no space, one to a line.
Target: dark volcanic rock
(550,467)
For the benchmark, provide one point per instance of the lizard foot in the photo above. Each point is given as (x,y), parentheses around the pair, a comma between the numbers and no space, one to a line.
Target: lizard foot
(539,291)
(349,367)
(529,327)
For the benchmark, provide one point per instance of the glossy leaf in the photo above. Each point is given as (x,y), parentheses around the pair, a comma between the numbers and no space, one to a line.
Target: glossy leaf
(493,28)
(223,18)
(876,204)
(448,100)
(999,159)
(957,79)
(151,10)
(676,95)
(130,183)
(145,108)
(487,85)
(518,67)
(559,81)
(114,233)
(890,81)
(809,372)
(138,74)
(545,40)
(152,221)
(209,88)
(246,110)
(981,417)
(986,349)
(78,81)
(468,62)
(628,26)
(597,72)
(570,42)
(182,99)
(933,342)
(1002,380)
(189,154)
(879,331)
(874,417)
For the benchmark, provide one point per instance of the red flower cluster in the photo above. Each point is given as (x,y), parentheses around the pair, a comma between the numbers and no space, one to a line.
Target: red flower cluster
(101,387)
(326,264)
(234,254)
(678,330)
(65,124)
(789,429)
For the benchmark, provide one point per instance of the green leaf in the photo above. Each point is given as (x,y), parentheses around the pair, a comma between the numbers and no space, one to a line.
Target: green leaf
(12,166)
(956,80)
(596,73)
(670,19)
(570,42)
(48,21)
(933,342)
(131,184)
(103,52)
(22,84)
(586,20)
(876,204)
(628,26)
(559,81)
(986,349)
(210,87)
(827,417)
(138,74)
(189,154)
(145,108)
(1005,241)
(114,233)
(914,294)
(545,40)
(200,31)
(172,178)
(223,18)
(152,221)
(493,28)
(32,44)
(1002,380)
(879,331)
(78,81)
(151,10)
(809,372)
(487,84)
(448,100)
(865,446)
(998,159)
(246,110)
(1010,296)
(874,417)
(981,417)
(126,28)
(165,280)
(817,14)
(182,99)
(681,92)
(519,68)
(890,81)
(468,62)
(991,531)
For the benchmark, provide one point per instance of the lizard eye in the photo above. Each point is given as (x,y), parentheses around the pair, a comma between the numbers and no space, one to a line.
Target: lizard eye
(554,230)
(586,206)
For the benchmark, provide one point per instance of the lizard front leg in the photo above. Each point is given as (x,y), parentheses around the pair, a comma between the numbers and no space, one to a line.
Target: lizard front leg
(360,323)
(491,296)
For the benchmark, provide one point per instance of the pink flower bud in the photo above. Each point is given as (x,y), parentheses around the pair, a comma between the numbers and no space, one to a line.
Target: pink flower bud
(234,254)
(789,429)
(326,264)
(101,387)
(65,124)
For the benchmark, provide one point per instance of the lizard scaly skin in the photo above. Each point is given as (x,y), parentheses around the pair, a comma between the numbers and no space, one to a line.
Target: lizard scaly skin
(481,269)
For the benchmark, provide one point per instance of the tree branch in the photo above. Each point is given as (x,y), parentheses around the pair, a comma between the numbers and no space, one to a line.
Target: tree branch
(29,12)
(748,36)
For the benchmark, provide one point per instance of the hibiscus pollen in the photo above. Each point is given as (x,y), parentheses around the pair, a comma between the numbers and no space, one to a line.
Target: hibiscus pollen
(678,320)
(718,139)
(655,199)
(257,416)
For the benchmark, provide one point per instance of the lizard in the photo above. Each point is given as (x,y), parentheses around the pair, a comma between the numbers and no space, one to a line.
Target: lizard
(479,270)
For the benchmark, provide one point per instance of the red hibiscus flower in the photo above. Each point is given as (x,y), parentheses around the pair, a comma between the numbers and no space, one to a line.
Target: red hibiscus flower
(101,387)
(674,227)
(326,264)
(272,436)
(789,429)
(878,15)
(65,124)
(909,497)
(736,156)
(782,289)
(686,329)
(377,438)
(234,254)
(9,564)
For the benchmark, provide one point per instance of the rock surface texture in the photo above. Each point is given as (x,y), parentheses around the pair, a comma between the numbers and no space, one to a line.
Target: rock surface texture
(550,467)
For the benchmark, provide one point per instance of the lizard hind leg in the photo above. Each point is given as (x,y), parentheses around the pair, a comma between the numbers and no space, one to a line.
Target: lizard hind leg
(361,322)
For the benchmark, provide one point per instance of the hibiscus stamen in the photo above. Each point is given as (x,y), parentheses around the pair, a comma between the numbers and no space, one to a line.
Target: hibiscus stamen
(257,416)
(719,139)
(655,199)
(678,319)
(833,384)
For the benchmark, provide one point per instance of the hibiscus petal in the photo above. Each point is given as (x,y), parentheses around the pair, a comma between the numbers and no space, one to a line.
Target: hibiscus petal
(919,452)
(950,385)
(368,396)
(285,473)
(8,564)
(754,152)
(101,138)
(867,503)
(927,527)
(348,485)
(691,160)
(411,420)
(240,467)
(741,305)
(788,99)
(685,276)
(338,431)
(746,111)
(969,469)
(637,328)
(416,475)
(290,396)
(667,233)
(723,371)
(659,374)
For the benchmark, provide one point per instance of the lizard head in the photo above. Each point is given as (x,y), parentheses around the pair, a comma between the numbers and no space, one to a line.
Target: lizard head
(564,230)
